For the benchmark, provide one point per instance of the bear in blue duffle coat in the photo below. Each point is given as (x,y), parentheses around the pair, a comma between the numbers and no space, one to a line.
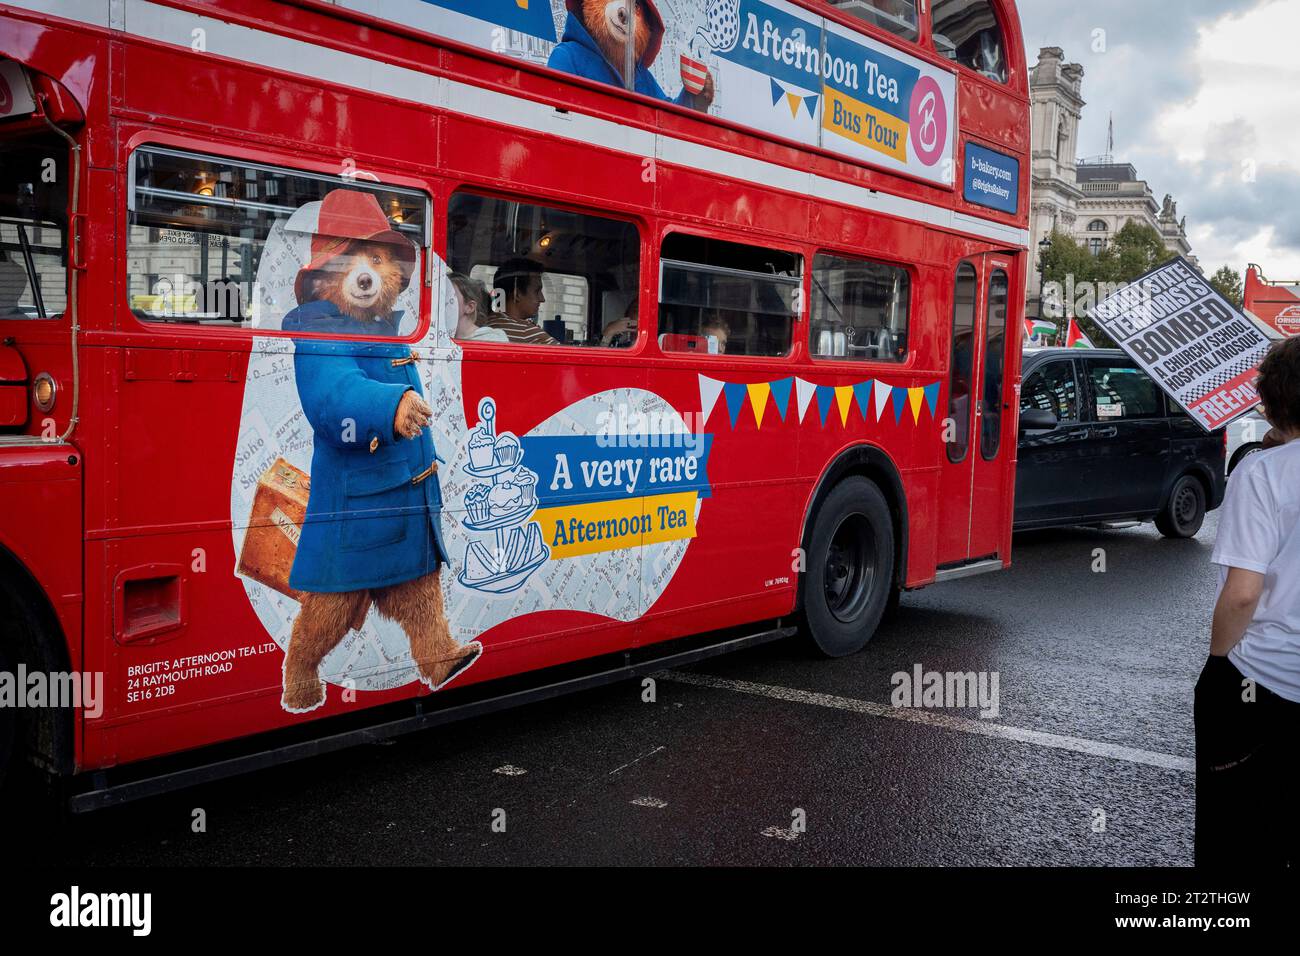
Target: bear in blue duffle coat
(372,534)
(593,47)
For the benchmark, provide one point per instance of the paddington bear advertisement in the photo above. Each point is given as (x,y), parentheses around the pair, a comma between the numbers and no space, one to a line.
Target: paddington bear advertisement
(766,64)
(382,521)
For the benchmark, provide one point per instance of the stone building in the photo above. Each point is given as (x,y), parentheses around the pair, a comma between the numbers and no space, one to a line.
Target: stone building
(1090,200)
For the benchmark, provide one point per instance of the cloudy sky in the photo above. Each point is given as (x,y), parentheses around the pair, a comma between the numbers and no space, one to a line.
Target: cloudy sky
(1206,100)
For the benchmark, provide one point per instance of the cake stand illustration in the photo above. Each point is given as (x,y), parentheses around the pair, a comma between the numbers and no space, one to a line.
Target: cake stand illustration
(500,502)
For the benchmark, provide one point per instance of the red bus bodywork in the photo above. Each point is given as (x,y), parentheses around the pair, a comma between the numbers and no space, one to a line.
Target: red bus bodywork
(142,485)
(1276,304)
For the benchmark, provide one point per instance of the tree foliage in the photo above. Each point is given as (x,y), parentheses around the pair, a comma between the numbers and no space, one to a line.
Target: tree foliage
(1074,280)
(1228,282)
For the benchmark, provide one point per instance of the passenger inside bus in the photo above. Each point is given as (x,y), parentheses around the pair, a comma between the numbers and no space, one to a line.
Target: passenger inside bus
(561,277)
(716,332)
(474,310)
(519,281)
(967,31)
(621,333)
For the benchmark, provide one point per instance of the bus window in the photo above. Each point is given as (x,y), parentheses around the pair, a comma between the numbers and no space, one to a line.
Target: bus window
(197,227)
(33,230)
(896,16)
(967,32)
(995,331)
(859,310)
(963,360)
(718,297)
(554,277)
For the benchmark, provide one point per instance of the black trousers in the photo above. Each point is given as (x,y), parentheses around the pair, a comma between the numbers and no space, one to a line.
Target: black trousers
(1247,752)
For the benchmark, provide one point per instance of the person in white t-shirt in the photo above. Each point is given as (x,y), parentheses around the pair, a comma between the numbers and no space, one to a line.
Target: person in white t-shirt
(1248,696)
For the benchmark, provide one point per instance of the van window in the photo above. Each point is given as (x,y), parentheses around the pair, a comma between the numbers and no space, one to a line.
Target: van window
(859,310)
(967,32)
(545,276)
(33,230)
(1052,388)
(718,297)
(896,16)
(213,241)
(1122,392)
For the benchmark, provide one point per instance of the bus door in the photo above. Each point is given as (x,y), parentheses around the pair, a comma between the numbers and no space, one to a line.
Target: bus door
(973,503)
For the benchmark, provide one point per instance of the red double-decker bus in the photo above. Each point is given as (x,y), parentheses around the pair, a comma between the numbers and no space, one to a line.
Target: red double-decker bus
(357,356)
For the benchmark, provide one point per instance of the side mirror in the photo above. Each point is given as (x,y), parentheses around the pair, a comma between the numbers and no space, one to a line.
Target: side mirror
(1037,420)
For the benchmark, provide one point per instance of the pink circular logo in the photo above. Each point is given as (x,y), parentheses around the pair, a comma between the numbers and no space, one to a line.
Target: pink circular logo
(6,98)
(929,121)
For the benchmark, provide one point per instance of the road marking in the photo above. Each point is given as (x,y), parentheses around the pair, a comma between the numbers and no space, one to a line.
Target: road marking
(1093,748)
(652,802)
(509,770)
(637,760)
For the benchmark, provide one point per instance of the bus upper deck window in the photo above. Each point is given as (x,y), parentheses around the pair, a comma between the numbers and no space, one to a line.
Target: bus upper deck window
(213,241)
(33,230)
(896,16)
(967,31)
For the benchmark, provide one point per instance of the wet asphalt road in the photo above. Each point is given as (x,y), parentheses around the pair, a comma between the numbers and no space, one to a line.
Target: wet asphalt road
(714,771)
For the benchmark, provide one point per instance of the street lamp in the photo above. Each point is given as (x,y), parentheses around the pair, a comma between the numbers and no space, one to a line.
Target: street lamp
(1043,246)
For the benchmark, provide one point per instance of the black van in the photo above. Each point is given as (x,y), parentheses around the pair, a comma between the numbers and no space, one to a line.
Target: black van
(1099,441)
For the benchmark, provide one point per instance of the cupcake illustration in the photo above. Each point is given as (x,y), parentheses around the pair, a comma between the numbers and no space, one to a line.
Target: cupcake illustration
(507,450)
(526,482)
(481,450)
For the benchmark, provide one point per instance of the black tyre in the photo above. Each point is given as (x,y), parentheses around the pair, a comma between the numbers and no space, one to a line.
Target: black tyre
(8,723)
(850,575)
(1242,453)
(1185,511)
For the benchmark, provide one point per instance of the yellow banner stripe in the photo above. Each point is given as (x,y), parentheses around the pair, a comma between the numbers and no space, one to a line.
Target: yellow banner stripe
(865,125)
(571,530)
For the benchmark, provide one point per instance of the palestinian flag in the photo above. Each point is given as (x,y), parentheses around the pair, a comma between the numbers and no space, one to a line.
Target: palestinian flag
(1075,339)
(1039,327)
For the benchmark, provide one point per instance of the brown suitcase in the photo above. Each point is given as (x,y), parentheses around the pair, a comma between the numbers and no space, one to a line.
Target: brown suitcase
(274,525)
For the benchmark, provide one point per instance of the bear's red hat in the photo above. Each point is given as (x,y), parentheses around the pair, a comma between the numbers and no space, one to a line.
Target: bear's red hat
(347,216)
(656,27)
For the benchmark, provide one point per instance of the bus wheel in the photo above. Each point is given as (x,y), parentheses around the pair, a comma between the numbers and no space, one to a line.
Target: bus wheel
(850,568)
(1185,511)
(1242,453)
(8,722)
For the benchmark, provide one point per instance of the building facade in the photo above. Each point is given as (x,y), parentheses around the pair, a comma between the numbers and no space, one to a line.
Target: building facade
(1089,200)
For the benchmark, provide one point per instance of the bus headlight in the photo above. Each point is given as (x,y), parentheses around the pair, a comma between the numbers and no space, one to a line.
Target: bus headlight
(43,391)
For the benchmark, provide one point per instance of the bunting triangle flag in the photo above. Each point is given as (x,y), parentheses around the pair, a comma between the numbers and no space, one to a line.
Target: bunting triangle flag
(914,398)
(758,400)
(781,394)
(825,396)
(735,393)
(862,392)
(900,396)
(811,103)
(882,398)
(803,395)
(932,397)
(777,92)
(844,398)
(710,389)
(794,100)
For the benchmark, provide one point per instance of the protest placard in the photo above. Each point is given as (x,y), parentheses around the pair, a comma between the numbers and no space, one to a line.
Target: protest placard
(1198,347)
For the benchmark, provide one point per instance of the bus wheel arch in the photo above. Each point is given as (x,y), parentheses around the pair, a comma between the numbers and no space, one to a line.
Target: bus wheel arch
(32,637)
(877,487)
